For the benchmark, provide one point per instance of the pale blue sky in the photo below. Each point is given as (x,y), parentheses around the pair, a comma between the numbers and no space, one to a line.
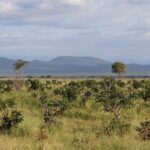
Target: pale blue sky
(43,29)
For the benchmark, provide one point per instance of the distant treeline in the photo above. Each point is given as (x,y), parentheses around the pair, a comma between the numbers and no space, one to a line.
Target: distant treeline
(77,77)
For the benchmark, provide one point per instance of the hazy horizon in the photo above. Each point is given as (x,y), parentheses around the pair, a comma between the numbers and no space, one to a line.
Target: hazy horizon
(142,62)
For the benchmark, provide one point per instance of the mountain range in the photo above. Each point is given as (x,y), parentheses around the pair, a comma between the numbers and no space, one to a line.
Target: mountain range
(69,65)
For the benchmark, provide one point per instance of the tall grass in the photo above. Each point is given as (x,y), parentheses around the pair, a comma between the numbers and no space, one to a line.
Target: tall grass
(79,128)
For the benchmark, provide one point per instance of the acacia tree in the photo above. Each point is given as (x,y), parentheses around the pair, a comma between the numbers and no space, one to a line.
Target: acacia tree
(116,96)
(119,68)
(18,66)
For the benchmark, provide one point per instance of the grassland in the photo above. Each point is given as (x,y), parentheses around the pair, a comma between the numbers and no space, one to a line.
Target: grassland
(79,128)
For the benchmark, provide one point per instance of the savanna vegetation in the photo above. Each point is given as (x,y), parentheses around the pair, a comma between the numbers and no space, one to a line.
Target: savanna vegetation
(106,114)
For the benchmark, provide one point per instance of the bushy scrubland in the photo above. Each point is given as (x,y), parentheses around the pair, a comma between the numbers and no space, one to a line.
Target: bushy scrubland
(105,114)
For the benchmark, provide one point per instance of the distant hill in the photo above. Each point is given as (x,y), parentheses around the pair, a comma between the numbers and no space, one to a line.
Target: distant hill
(8,63)
(69,65)
(6,66)
(78,61)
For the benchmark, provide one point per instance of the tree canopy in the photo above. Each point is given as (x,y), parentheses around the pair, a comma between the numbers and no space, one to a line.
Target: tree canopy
(119,68)
(19,64)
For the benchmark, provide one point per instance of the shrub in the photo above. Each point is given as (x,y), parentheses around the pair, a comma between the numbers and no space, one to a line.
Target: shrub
(33,84)
(146,93)
(115,95)
(144,130)
(51,109)
(9,116)
(67,92)
(136,84)
(86,96)
(48,85)
(6,86)
(90,83)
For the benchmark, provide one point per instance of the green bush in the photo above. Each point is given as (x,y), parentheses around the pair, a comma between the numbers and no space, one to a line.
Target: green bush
(115,95)
(144,130)
(67,92)
(9,116)
(51,109)
(33,84)
(6,86)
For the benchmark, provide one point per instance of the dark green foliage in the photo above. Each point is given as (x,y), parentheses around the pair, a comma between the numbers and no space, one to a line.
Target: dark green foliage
(2,105)
(136,84)
(144,130)
(33,84)
(19,64)
(145,92)
(119,68)
(115,95)
(51,109)
(90,83)
(10,103)
(71,93)
(9,116)
(9,120)
(68,92)
(86,96)
(6,86)
(142,89)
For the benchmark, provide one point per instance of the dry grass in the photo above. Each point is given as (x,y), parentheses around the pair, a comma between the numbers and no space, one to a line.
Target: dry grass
(74,132)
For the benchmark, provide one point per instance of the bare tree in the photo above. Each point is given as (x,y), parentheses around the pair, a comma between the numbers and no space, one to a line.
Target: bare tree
(18,67)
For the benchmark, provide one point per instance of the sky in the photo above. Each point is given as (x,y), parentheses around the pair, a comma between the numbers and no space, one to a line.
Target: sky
(43,29)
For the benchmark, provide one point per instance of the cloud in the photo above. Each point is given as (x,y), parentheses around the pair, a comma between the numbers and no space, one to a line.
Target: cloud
(98,27)
(138,2)
(8,7)
(75,2)
(45,6)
